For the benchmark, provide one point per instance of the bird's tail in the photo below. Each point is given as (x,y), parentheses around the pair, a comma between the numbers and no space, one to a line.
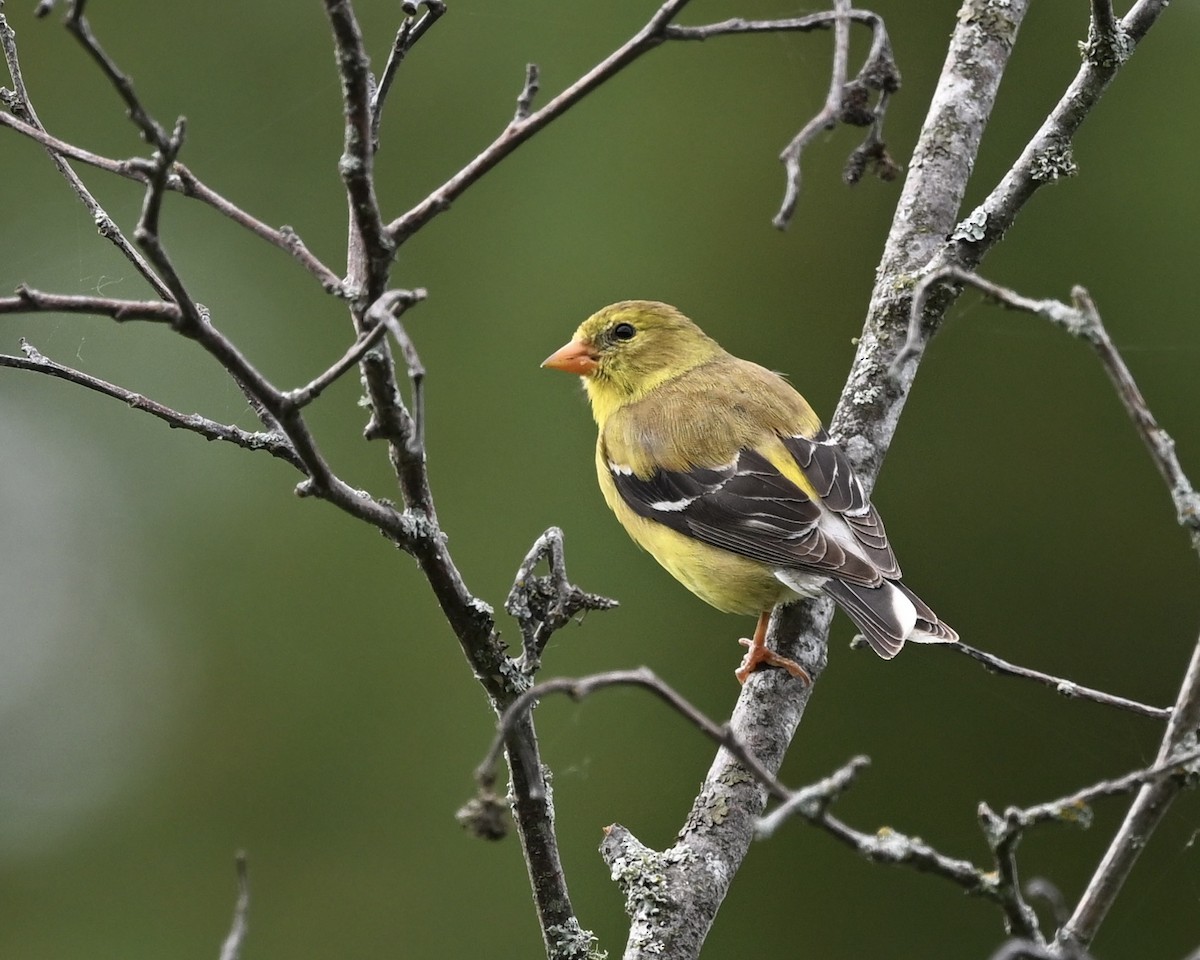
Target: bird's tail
(889,614)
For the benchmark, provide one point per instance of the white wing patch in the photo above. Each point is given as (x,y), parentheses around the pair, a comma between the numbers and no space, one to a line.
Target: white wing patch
(673,506)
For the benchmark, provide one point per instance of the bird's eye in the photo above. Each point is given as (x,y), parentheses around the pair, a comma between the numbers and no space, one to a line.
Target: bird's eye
(624,331)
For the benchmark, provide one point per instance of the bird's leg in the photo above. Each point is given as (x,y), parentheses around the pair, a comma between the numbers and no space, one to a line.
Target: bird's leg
(757,652)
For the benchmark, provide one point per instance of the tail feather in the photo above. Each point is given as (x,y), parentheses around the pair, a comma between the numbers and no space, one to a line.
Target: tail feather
(888,614)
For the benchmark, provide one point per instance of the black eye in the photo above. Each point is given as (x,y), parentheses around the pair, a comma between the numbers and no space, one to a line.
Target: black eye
(624,331)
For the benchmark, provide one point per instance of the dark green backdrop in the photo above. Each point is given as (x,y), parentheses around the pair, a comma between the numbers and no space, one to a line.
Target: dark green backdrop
(193,661)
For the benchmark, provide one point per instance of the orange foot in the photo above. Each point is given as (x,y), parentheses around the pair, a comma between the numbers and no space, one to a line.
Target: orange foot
(757,652)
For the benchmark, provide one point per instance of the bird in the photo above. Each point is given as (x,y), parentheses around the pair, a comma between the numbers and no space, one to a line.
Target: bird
(721,470)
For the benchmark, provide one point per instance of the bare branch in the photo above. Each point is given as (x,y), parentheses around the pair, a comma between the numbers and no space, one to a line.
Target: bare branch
(1047,156)
(1068,688)
(105,225)
(1148,808)
(826,119)
(812,801)
(1074,808)
(398,301)
(846,102)
(285,238)
(416,377)
(805,24)
(182,180)
(152,132)
(28,300)
(879,72)
(410,31)
(357,160)
(1080,319)
(543,605)
(629,859)
(53,144)
(581,687)
(518,131)
(273,443)
(231,949)
(147,231)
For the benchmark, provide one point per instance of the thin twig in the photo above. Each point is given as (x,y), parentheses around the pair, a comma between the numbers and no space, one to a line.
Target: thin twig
(812,802)
(182,180)
(105,225)
(825,119)
(805,24)
(846,102)
(152,132)
(231,949)
(416,379)
(518,131)
(147,231)
(398,301)
(273,443)
(581,687)
(1068,688)
(1073,808)
(1080,319)
(29,300)
(409,32)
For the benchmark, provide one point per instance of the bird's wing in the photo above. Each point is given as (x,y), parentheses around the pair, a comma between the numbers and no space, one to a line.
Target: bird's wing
(823,524)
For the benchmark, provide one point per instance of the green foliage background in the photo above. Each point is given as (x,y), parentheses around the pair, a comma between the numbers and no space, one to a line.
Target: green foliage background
(193,661)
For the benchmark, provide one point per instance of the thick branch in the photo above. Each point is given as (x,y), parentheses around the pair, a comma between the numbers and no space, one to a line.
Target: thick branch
(1047,157)
(771,706)
(357,158)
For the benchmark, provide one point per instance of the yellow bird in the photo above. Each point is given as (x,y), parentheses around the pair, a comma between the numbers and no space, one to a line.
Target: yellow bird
(722,471)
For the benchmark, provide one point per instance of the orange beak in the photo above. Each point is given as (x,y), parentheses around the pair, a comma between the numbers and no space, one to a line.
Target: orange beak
(576,357)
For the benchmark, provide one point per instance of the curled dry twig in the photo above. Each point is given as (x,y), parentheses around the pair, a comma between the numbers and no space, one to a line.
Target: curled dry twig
(544,604)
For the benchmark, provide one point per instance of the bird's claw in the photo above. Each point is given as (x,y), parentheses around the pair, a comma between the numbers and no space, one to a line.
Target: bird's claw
(759,653)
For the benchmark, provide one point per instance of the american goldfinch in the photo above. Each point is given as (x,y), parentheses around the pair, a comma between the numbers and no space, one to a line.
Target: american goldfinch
(722,471)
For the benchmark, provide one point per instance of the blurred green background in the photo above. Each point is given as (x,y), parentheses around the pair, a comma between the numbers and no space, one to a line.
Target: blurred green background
(194,661)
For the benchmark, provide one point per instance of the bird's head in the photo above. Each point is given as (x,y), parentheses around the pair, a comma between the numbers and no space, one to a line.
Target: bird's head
(629,348)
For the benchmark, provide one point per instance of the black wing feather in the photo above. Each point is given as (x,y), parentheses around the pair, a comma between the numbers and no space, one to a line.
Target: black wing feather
(751,509)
